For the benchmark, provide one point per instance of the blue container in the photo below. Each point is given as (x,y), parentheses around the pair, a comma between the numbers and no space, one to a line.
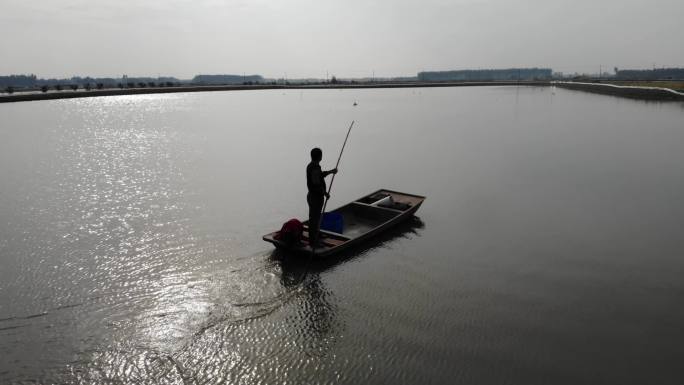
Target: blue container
(333,222)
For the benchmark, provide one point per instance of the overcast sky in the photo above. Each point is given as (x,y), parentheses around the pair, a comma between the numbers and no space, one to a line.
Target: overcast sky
(348,38)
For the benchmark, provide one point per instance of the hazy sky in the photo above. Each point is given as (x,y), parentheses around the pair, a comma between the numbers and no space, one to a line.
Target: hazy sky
(306,38)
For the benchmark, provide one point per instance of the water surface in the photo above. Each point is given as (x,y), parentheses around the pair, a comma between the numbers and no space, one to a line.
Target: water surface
(549,248)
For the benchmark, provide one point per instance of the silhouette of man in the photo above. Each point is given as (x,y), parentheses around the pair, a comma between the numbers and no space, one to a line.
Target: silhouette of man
(315,182)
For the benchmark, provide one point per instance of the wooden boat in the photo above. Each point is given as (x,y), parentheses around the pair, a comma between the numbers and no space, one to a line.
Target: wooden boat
(362,219)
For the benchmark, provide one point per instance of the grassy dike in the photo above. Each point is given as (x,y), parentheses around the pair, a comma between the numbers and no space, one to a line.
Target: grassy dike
(671,84)
(629,91)
(32,96)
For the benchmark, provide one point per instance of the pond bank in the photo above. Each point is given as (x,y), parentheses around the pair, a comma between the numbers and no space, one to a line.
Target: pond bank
(24,97)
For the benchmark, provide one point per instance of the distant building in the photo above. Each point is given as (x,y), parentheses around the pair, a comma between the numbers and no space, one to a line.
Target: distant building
(487,74)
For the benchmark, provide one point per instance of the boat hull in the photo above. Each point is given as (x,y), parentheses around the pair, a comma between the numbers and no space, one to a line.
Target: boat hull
(365,218)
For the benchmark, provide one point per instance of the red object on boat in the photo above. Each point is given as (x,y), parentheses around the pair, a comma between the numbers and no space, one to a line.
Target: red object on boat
(291,232)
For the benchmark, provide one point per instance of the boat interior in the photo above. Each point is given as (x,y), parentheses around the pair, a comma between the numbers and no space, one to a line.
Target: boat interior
(367,213)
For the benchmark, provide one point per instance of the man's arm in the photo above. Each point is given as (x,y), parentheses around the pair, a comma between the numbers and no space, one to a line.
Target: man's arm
(326,173)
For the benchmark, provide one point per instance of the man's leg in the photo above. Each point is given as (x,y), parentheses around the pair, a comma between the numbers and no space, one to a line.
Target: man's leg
(315,207)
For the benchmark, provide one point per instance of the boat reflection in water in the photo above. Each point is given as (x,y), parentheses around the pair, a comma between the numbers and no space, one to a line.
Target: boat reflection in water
(313,308)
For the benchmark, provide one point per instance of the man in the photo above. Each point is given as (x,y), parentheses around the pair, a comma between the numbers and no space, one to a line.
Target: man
(315,181)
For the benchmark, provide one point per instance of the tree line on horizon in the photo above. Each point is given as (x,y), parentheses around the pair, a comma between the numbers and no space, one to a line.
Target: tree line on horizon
(226,79)
(650,74)
(12,83)
(32,82)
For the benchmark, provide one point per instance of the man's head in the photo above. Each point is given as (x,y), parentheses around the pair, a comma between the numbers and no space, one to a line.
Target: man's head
(316,154)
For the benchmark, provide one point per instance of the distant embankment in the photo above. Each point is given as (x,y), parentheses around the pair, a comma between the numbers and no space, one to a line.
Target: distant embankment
(22,97)
(649,93)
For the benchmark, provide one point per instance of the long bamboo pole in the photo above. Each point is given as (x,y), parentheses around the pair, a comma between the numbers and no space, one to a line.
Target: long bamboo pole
(333,177)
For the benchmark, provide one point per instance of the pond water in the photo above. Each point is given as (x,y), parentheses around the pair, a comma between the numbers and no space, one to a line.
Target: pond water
(549,249)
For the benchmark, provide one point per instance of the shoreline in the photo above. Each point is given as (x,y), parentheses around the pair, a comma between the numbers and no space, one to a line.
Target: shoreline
(52,95)
(632,92)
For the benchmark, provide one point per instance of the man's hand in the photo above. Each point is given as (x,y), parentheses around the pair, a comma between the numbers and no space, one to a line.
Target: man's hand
(327,196)
(333,171)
